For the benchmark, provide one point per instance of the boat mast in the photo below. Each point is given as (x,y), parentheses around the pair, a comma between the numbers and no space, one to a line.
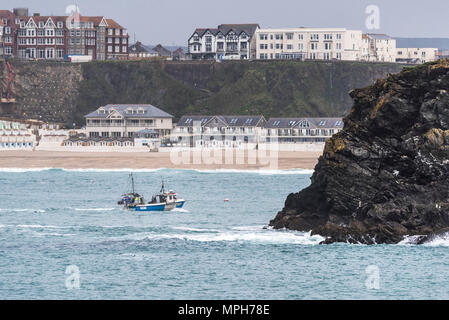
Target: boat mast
(132,182)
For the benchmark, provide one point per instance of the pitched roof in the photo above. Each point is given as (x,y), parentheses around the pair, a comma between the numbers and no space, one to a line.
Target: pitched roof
(248,28)
(230,121)
(379,36)
(149,111)
(313,123)
(138,47)
(162,51)
(112,24)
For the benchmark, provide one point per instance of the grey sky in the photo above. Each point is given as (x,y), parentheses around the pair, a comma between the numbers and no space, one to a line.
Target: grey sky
(171,22)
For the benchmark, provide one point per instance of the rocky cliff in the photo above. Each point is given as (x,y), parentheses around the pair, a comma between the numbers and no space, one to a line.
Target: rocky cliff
(64,92)
(386,175)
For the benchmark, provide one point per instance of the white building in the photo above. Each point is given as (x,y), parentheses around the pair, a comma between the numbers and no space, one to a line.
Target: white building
(378,48)
(226,42)
(308,44)
(300,130)
(218,131)
(124,121)
(416,55)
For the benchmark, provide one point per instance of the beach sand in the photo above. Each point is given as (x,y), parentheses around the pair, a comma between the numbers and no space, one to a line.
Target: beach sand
(139,160)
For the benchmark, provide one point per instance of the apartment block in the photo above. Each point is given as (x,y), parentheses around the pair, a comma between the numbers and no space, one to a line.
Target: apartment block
(308,44)
(378,48)
(416,55)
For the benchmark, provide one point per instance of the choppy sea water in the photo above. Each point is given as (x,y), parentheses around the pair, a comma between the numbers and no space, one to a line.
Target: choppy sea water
(211,249)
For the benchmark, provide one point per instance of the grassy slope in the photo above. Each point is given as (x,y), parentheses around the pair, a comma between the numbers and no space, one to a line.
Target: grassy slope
(278,88)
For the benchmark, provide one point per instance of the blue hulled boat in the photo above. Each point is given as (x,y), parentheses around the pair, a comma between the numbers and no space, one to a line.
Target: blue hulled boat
(163,201)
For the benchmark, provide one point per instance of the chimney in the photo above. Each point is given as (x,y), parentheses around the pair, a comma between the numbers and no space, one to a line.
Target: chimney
(21,12)
(37,14)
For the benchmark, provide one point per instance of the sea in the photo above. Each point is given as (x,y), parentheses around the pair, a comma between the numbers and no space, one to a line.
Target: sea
(63,236)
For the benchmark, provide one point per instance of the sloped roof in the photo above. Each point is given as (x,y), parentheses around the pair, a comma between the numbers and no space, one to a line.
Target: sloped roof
(379,36)
(149,111)
(138,47)
(230,121)
(315,123)
(112,24)
(162,51)
(248,28)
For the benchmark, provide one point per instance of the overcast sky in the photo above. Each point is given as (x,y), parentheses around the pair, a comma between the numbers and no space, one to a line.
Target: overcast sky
(171,22)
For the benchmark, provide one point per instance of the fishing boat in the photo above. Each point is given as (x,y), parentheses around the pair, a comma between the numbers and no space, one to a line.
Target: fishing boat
(163,201)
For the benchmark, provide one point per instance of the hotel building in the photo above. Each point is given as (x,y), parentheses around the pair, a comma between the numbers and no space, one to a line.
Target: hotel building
(124,121)
(54,37)
(308,44)
(226,42)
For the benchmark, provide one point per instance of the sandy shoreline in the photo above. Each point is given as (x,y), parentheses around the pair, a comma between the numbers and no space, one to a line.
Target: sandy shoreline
(89,160)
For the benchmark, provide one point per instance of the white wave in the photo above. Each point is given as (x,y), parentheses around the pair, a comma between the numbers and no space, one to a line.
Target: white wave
(23,210)
(258,171)
(93,209)
(194,229)
(180,210)
(22,170)
(38,226)
(438,241)
(47,234)
(263,237)
(111,170)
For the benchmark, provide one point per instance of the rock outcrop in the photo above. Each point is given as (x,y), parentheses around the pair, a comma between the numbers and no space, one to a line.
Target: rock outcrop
(386,175)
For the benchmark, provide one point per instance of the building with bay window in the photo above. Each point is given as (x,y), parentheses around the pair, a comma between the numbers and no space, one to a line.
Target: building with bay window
(124,121)
(226,42)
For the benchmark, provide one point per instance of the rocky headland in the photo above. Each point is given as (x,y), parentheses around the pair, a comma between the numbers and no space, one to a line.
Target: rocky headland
(386,175)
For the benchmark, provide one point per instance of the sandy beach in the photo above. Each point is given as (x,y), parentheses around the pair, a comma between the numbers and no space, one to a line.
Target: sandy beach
(136,160)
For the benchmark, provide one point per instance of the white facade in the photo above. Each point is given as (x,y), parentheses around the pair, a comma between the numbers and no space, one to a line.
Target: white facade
(416,55)
(308,44)
(124,121)
(227,42)
(378,48)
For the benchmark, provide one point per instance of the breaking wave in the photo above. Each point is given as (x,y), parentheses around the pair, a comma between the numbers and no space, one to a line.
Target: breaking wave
(256,171)
(261,237)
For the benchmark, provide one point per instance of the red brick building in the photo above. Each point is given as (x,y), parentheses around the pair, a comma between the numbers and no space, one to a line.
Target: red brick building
(55,37)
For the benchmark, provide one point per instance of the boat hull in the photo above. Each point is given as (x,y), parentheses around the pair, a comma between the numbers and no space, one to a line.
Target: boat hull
(151,207)
(180,204)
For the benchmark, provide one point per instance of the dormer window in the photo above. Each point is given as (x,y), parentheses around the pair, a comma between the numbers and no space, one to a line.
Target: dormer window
(140,111)
(129,111)
(41,24)
(101,111)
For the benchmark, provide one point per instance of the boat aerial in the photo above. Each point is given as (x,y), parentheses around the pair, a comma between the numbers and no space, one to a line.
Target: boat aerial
(163,201)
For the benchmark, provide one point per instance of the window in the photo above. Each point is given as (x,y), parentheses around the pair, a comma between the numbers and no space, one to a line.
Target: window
(314,37)
(289,47)
(60,53)
(300,46)
(117,32)
(109,48)
(327,46)
(300,36)
(117,48)
(263,37)
(328,37)
(338,36)
(124,49)
(8,30)
(289,36)
(314,46)
(60,24)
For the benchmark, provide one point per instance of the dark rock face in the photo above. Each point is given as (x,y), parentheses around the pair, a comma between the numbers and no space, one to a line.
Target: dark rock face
(386,175)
